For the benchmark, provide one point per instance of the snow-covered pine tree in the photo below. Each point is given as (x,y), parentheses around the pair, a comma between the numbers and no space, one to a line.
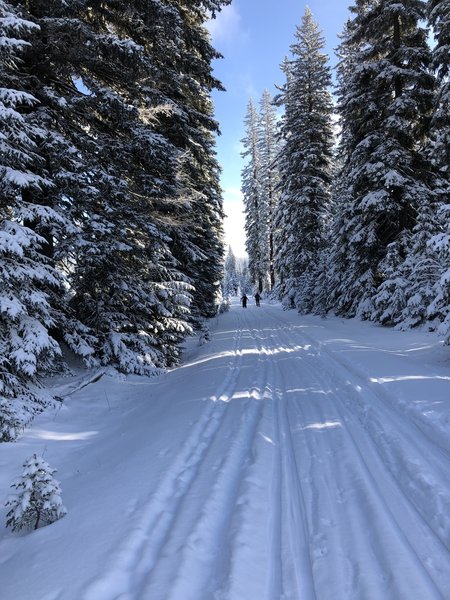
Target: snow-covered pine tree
(129,288)
(124,282)
(439,148)
(281,244)
(338,261)
(260,189)
(38,502)
(243,274)
(385,103)
(269,189)
(51,70)
(305,165)
(438,12)
(132,164)
(26,273)
(108,147)
(197,236)
(253,200)
(230,285)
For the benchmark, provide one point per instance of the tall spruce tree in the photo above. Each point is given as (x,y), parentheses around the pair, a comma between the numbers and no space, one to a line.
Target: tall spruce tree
(439,148)
(438,12)
(138,109)
(385,103)
(197,244)
(90,75)
(253,199)
(260,181)
(305,165)
(230,285)
(26,273)
(269,188)
(112,190)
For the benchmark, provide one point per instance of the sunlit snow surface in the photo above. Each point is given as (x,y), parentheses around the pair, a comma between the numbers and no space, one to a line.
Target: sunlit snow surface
(289,458)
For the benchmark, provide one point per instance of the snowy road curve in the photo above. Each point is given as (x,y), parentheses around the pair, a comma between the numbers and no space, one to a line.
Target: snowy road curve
(281,470)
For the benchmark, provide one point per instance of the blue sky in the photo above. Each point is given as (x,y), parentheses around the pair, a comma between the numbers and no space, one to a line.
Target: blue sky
(254,36)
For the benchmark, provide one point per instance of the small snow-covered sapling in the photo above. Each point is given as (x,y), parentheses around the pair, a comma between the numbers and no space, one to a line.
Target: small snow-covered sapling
(39,501)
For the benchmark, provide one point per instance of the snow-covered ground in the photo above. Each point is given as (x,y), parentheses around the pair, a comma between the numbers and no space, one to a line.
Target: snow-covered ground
(288,458)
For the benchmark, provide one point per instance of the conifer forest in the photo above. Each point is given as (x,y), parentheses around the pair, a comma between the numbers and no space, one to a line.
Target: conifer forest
(347,193)
(110,205)
(111,235)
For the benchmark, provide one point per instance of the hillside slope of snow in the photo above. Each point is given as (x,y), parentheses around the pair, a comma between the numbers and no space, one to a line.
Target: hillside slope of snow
(290,458)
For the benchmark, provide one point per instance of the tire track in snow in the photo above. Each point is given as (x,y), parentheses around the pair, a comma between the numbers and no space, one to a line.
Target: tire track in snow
(434,436)
(274,582)
(151,522)
(418,465)
(376,539)
(197,571)
(421,428)
(297,566)
(305,478)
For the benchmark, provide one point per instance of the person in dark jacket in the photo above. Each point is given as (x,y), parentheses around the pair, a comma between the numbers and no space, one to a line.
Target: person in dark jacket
(244,301)
(257,298)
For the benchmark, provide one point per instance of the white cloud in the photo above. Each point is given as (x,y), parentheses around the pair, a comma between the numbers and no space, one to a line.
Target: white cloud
(226,26)
(234,221)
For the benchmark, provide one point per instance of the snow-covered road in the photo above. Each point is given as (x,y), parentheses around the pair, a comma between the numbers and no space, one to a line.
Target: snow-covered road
(289,458)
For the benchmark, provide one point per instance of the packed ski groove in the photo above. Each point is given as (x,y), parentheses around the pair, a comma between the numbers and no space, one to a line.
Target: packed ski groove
(392,430)
(201,540)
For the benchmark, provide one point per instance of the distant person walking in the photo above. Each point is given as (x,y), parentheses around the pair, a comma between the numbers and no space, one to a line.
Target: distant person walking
(257,299)
(244,301)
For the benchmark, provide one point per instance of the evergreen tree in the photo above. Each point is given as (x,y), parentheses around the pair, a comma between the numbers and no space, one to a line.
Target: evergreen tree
(260,182)
(385,103)
(111,193)
(269,189)
(100,160)
(149,206)
(26,274)
(439,307)
(305,165)
(38,502)
(438,12)
(339,241)
(439,148)
(244,278)
(230,280)
(253,199)
(197,241)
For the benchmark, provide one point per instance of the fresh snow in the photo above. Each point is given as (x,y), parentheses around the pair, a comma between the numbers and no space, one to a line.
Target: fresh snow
(289,458)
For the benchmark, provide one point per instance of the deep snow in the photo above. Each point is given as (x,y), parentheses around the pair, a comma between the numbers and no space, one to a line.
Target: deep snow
(289,458)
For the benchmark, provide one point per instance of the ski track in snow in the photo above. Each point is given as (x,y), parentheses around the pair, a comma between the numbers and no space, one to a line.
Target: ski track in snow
(300,479)
(336,492)
(375,504)
(139,552)
(417,461)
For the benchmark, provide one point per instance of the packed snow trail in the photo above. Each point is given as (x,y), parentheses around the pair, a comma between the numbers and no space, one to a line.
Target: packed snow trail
(275,464)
